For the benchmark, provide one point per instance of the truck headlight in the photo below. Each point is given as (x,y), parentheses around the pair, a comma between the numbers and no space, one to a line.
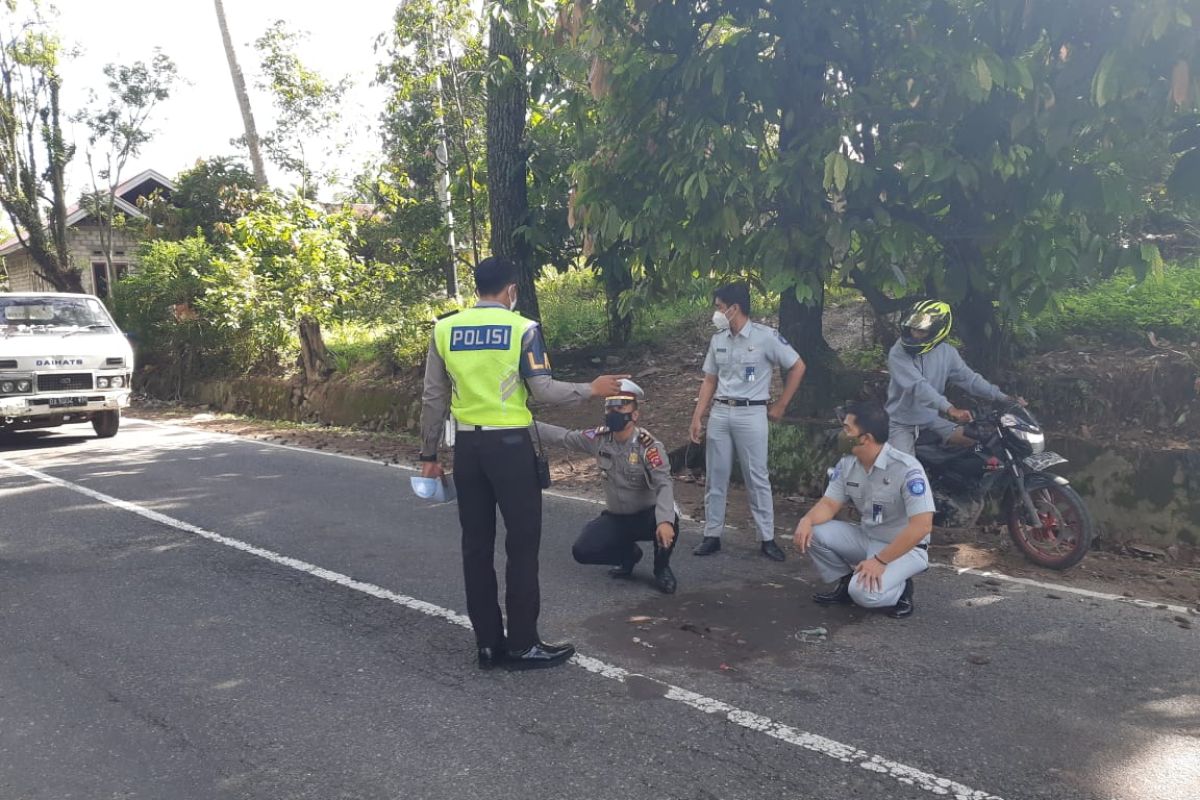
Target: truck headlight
(7,387)
(117,382)
(24,386)
(101,383)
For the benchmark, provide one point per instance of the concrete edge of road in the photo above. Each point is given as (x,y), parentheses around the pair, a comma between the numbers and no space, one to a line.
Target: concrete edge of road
(982,573)
(749,720)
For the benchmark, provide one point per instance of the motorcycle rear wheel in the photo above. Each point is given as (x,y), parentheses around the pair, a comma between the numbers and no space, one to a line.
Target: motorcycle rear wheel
(1066,532)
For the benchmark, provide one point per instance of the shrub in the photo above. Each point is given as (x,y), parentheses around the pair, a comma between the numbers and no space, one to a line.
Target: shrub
(166,306)
(799,457)
(1123,310)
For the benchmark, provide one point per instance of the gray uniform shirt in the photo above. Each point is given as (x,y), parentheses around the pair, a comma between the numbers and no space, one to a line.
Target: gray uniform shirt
(637,474)
(916,391)
(435,400)
(742,362)
(886,496)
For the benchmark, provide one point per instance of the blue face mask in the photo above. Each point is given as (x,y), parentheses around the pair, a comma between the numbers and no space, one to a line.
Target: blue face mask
(617,421)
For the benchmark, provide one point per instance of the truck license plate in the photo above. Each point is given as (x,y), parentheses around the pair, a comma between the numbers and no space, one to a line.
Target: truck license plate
(63,402)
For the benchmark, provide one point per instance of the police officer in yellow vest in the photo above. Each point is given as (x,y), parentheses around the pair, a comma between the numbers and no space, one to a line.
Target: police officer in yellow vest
(480,363)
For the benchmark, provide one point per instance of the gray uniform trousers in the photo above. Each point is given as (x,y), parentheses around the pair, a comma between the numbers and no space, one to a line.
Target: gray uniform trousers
(837,547)
(740,429)
(904,437)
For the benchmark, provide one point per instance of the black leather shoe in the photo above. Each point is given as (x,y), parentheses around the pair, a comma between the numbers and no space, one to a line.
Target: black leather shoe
(708,545)
(772,551)
(491,657)
(904,607)
(626,569)
(664,579)
(840,596)
(540,656)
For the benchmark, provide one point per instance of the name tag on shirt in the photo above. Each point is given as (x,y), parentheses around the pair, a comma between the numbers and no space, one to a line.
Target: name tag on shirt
(750,374)
(877,513)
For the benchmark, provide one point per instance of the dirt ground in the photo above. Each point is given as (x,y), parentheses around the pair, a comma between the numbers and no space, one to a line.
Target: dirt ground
(1149,574)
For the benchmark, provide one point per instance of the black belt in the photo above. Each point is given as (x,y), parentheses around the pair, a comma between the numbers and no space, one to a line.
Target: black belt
(742,403)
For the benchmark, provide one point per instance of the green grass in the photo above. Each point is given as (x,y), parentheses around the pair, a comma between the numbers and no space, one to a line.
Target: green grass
(353,344)
(573,317)
(1124,310)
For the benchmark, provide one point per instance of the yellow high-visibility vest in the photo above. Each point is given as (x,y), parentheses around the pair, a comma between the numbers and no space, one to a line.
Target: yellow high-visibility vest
(482,350)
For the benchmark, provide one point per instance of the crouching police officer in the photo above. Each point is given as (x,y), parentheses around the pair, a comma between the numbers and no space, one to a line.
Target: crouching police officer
(873,562)
(640,498)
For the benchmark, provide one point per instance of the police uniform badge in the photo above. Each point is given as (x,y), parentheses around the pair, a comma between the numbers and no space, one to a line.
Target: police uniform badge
(915,483)
(653,456)
(633,457)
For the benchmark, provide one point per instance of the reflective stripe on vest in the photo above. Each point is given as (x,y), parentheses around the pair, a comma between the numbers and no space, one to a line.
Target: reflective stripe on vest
(482,351)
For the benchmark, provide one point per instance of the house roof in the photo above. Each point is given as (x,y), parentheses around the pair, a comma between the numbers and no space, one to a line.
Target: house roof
(127,195)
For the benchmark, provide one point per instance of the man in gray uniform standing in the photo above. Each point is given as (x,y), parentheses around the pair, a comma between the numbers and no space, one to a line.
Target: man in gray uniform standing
(920,365)
(891,543)
(737,374)
(639,494)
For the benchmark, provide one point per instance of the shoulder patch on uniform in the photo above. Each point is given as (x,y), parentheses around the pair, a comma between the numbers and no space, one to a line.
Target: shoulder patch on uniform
(916,487)
(915,472)
(592,433)
(835,471)
(449,313)
(780,337)
(653,457)
(645,438)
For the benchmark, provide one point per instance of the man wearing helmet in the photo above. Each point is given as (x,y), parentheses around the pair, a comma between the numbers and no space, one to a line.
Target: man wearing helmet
(639,495)
(920,365)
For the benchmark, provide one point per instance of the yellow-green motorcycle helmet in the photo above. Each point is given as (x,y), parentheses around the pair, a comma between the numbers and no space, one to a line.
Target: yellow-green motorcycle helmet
(925,326)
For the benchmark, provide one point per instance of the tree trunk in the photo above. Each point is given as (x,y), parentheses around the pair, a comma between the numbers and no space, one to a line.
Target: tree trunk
(243,98)
(801,109)
(315,359)
(800,324)
(617,279)
(46,242)
(976,324)
(508,198)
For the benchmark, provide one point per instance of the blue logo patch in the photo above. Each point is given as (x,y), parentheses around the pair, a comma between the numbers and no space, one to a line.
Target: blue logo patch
(916,487)
(480,337)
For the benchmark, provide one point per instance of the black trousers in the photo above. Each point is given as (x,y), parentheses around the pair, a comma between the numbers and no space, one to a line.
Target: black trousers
(609,538)
(496,468)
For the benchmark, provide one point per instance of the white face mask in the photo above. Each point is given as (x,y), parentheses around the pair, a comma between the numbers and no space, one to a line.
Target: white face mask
(720,321)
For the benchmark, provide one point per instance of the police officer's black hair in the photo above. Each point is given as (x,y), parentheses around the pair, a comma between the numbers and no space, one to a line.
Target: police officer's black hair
(493,274)
(734,294)
(870,417)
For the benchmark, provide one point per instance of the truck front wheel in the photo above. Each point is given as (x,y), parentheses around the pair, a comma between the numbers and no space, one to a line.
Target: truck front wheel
(106,423)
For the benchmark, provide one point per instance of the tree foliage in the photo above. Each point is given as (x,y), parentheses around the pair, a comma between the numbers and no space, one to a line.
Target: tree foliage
(988,152)
(290,261)
(118,128)
(33,152)
(307,137)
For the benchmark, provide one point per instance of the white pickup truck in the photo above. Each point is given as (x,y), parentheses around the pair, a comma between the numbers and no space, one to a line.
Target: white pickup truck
(62,360)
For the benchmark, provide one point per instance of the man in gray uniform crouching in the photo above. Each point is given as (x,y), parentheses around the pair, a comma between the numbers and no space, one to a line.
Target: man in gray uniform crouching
(639,493)
(874,561)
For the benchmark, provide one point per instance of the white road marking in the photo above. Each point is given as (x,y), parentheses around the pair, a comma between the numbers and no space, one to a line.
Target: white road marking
(1000,576)
(821,745)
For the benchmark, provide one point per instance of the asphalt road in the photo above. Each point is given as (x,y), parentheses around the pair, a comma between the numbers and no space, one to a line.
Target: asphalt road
(187,615)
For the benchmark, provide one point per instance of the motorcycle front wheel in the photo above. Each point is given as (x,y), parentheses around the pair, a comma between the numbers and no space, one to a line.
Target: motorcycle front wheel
(1066,530)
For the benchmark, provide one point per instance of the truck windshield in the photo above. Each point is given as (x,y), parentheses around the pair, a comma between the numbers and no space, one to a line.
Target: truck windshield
(49,314)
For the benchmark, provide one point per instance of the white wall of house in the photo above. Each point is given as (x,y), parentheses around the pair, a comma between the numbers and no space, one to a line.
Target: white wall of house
(86,250)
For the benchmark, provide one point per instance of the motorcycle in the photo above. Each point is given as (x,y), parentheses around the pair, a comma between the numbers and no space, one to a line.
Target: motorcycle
(1046,518)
